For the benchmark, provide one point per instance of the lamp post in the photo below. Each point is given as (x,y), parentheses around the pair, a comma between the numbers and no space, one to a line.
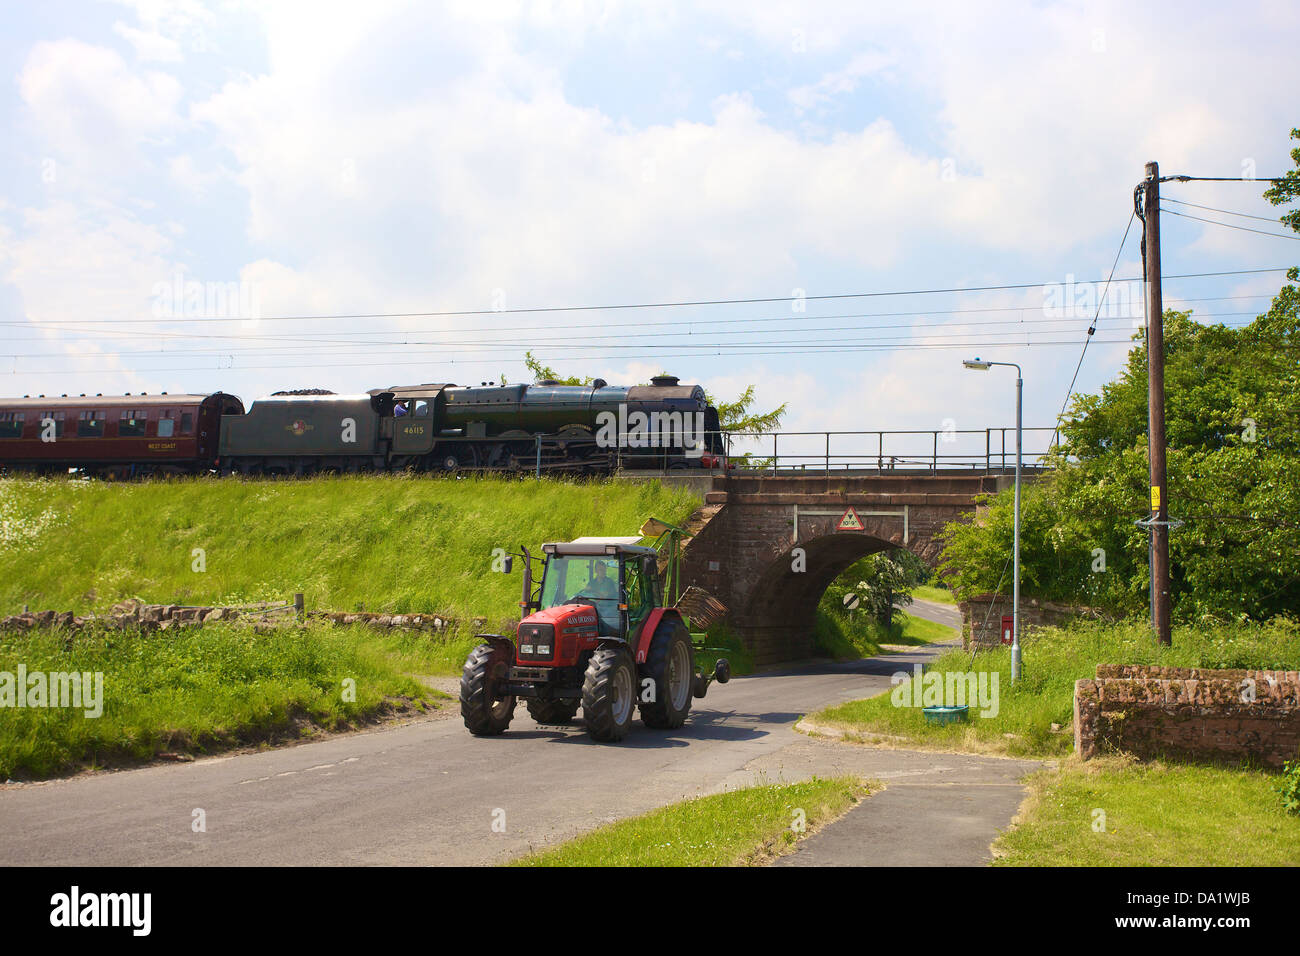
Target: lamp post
(983,366)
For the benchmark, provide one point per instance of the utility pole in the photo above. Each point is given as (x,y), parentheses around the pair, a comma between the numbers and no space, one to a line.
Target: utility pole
(1159,527)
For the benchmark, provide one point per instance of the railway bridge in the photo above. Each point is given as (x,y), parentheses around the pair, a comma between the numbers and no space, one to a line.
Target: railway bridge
(768,546)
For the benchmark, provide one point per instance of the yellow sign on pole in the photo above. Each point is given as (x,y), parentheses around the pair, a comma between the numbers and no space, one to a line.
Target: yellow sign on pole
(1155,497)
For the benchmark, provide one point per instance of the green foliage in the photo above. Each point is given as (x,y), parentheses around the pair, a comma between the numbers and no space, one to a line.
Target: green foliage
(380,543)
(1288,190)
(544,373)
(736,416)
(1232,405)
(881,581)
(1289,786)
(1053,660)
(194,691)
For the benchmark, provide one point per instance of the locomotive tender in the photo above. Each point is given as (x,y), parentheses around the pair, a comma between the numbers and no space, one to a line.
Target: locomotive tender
(431,427)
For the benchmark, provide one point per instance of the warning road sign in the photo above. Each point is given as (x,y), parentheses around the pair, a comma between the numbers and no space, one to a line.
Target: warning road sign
(850,522)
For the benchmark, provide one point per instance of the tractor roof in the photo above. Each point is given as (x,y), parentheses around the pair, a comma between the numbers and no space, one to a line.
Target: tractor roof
(597,546)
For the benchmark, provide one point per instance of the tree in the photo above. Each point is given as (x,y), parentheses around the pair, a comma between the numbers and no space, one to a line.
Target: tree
(1232,409)
(1288,190)
(733,416)
(1232,415)
(882,582)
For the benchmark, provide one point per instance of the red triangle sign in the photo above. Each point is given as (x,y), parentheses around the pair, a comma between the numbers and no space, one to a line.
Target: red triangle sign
(850,521)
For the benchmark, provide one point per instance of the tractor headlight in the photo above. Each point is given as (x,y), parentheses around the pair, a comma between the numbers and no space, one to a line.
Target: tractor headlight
(544,650)
(526,649)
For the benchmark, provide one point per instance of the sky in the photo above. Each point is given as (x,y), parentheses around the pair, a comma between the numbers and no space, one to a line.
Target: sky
(200,196)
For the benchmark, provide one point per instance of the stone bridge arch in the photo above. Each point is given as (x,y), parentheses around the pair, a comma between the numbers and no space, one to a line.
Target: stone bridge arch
(748,533)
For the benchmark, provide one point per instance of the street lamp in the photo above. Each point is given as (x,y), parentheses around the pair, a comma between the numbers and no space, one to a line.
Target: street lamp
(981,365)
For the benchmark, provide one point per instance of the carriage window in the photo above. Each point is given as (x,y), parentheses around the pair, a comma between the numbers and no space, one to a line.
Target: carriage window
(90,425)
(166,425)
(52,418)
(11,424)
(131,424)
(421,409)
(187,422)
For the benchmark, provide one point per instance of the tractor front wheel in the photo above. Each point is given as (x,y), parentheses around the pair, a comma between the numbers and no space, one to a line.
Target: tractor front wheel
(552,711)
(487,711)
(670,665)
(608,694)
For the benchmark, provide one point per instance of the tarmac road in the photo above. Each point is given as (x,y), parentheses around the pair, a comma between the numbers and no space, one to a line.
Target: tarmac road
(429,793)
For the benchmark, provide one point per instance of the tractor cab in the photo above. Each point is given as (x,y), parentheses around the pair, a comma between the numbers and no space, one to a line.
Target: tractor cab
(616,577)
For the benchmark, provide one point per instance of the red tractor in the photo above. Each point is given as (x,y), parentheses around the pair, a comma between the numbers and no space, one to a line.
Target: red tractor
(595,633)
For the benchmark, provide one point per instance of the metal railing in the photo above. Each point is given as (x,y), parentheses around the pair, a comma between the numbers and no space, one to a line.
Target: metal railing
(886,450)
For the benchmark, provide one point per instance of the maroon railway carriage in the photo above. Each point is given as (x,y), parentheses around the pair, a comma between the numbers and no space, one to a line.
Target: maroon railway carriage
(116,436)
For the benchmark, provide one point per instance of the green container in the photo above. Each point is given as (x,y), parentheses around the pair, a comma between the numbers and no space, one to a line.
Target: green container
(946,715)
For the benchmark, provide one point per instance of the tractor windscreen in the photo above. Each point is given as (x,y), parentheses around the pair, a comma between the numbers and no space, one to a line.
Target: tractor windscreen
(584,580)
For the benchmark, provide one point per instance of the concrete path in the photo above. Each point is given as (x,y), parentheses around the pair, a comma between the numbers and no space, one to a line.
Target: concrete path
(935,810)
(429,793)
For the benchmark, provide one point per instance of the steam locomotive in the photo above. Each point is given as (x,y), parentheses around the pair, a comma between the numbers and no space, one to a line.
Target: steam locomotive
(591,429)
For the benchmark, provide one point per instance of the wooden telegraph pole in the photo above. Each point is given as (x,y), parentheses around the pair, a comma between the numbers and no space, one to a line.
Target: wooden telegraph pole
(1159,521)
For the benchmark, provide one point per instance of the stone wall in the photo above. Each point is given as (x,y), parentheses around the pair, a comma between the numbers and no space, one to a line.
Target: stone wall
(1189,713)
(982,617)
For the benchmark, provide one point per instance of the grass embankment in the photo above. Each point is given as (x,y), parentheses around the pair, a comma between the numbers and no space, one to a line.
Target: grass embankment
(736,828)
(1114,812)
(930,592)
(1157,813)
(379,543)
(196,691)
(1052,661)
(387,543)
(843,638)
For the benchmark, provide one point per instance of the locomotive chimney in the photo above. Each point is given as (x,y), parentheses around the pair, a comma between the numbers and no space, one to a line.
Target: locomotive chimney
(660,381)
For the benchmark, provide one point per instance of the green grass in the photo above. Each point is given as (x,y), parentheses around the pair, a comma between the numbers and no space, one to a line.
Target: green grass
(843,638)
(384,543)
(1156,814)
(930,592)
(1052,661)
(736,828)
(197,691)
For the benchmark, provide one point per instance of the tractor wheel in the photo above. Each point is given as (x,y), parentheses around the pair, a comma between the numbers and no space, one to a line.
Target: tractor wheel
(552,711)
(670,664)
(486,712)
(609,694)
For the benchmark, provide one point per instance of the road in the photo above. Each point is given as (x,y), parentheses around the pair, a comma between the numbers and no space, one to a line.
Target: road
(946,614)
(429,793)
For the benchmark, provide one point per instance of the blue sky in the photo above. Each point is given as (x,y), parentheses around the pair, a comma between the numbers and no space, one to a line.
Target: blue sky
(323,159)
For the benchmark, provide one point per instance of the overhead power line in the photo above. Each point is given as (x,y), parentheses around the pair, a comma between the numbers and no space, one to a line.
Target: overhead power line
(668,305)
(1228,225)
(1092,328)
(1226,212)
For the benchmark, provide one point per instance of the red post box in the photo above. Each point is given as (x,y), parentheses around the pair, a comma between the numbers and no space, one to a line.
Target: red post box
(1008,628)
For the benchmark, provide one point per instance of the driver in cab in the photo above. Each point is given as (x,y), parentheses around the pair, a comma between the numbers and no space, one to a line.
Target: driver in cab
(602,590)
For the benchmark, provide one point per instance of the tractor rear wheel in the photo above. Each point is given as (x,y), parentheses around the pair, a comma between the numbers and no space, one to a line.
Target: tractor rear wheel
(487,712)
(609,694)
(552,711)
(670,664)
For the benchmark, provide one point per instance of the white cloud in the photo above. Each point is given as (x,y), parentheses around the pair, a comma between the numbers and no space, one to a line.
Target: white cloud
(90,106)
(149,44)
